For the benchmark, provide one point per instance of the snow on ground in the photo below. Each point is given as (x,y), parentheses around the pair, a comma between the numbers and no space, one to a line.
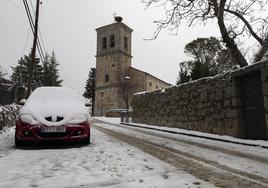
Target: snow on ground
(191,145)
(106,162)
(223,137)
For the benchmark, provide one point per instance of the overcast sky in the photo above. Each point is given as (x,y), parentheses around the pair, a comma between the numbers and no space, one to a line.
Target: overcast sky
(68,28)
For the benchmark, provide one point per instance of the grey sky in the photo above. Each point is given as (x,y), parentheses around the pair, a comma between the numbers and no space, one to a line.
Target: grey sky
(68,28)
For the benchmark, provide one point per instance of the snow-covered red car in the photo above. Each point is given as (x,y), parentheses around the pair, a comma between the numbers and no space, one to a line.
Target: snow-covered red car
(53,114)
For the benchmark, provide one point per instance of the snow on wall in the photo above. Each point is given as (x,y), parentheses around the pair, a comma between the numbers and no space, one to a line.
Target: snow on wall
(212,104)
(8,115)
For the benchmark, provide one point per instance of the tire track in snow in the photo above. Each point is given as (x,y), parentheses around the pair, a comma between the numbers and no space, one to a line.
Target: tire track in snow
(217,174)
(262,159)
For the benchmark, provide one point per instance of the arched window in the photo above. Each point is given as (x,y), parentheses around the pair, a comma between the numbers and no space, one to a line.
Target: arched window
(125,43)
(104,43)
(112,44)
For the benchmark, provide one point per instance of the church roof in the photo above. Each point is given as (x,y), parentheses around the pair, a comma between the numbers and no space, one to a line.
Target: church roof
(148,74)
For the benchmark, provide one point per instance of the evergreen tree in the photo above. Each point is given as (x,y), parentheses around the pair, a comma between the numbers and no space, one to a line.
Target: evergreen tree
(23,71)
(2,74)
(54,71)
(50,71)
(46,74)
(90,87)
(210,57)
(199,70)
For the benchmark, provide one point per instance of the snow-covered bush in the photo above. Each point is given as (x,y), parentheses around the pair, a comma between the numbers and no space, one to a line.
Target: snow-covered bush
(8,115)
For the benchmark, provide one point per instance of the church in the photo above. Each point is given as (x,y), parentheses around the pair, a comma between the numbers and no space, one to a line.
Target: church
(116,79)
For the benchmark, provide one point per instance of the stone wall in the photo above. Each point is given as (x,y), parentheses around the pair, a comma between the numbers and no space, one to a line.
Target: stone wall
(8,115)
(212,105)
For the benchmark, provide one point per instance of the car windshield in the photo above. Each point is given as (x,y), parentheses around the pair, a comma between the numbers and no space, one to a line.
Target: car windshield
(54,94)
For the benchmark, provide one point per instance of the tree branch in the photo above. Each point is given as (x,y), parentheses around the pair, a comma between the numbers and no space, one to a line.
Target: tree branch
(247,24)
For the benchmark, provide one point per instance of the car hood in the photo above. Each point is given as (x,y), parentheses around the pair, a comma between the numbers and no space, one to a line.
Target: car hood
(55,112)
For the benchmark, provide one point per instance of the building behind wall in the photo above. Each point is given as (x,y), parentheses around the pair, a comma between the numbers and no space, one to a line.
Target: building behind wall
(116,79)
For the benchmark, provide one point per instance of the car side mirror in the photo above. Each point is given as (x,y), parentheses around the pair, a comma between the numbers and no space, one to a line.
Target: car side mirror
(22,101)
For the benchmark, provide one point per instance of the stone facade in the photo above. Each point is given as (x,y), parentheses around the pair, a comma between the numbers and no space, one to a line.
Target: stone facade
(214,105)
(115,78)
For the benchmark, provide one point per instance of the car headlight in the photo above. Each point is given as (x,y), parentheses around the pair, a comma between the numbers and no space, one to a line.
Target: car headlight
(79,118)
(26,118)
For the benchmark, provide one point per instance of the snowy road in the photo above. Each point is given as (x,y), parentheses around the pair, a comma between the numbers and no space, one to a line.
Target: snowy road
(107,162)
(223,164)
(121,156)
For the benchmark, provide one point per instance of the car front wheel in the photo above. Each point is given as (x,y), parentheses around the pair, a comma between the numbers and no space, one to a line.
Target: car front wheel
(86,141)
(18,143)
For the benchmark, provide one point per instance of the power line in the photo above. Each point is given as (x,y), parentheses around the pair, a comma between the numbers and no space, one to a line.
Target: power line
(31,3)
(27,38)
(15,5)
(39,47)
(41,37)
(30,19)
(42,41)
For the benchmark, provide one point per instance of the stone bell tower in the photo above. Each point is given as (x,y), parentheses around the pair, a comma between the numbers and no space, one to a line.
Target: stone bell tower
(112,62)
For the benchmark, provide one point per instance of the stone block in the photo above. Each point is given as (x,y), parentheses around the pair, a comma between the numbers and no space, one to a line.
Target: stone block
(264,74)
(226,104)
(236,102)
(203,96)
(219,94)
(232,113)
(265,101)
(219,106)
(265,88)
(229,92)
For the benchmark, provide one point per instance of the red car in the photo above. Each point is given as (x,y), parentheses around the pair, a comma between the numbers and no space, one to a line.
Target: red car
(53,114)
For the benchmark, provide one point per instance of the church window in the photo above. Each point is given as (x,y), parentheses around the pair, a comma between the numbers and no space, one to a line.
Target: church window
(106,77)
(104,43)
(150,84)
(156,86)
(125,43)
(112,43)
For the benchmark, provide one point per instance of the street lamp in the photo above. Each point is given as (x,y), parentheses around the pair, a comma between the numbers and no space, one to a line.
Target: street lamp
(127,79)
(102,93)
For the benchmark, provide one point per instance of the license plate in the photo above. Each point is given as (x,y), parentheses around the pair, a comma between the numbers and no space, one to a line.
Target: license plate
(54,129)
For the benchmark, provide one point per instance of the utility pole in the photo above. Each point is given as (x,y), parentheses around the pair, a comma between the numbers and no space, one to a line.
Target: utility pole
(30,81)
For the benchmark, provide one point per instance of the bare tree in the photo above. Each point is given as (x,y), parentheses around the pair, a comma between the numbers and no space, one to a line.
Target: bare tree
(126,85)
(263,52)
(235,18)
(125,89)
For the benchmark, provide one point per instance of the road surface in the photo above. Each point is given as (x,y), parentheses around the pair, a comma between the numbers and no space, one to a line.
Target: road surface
(122,156)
